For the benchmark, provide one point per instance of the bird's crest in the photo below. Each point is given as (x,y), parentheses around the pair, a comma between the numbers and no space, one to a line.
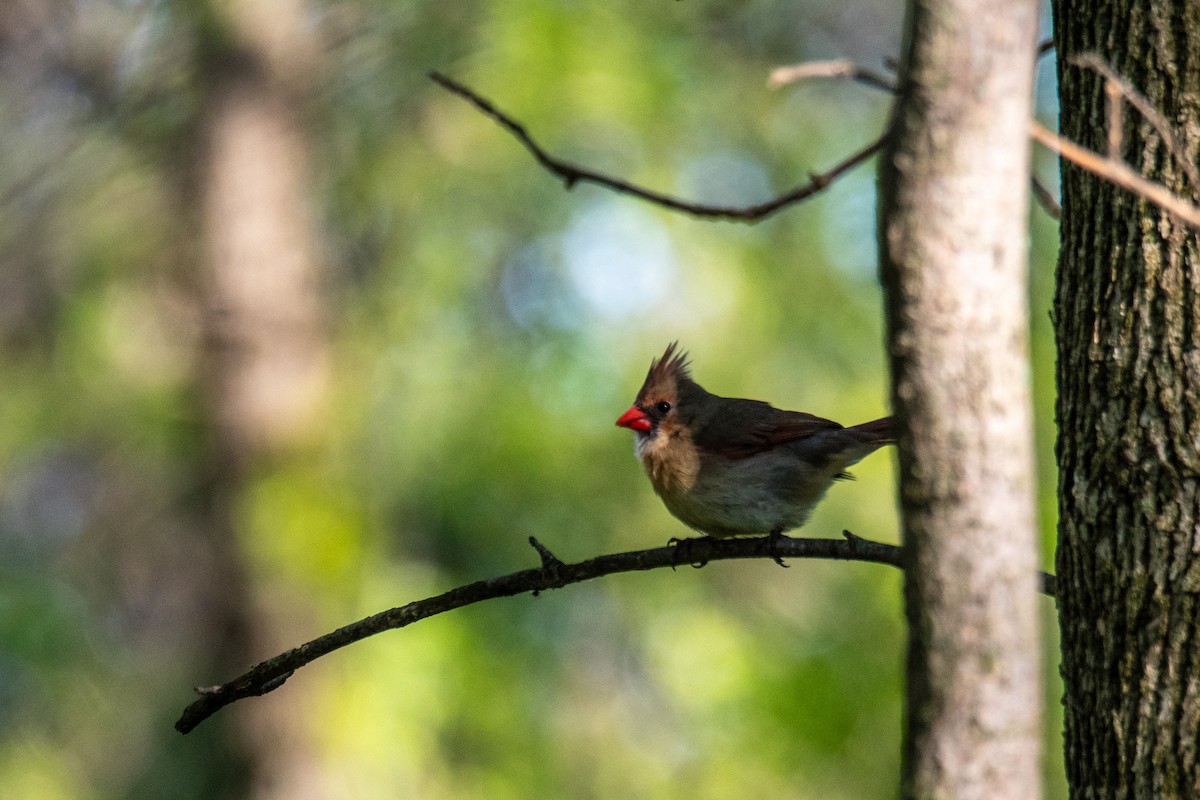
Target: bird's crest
(667,371)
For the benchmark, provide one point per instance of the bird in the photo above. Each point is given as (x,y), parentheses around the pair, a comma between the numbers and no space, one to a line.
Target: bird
(728,466)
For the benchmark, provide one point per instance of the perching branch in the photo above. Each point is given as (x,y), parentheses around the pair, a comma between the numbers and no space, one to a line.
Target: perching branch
(269,675)
(573,173)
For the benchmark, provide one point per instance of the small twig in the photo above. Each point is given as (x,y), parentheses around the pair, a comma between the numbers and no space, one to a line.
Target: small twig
(572,174)
(1045,197)
(551,565)
(1117,172)
(549,560)
(837,68)
(1115,84)
(1116,121)
(270,674)
(843,68)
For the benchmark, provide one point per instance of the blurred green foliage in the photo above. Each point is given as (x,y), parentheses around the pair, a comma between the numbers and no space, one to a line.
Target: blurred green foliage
(488,326)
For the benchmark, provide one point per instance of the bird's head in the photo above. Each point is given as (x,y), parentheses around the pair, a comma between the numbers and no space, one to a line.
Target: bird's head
(667,398)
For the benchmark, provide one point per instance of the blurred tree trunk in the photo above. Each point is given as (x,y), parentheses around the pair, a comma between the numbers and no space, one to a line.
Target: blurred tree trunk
(266,361)
(954,201)
(245,191)
(269,357)
(1127,311)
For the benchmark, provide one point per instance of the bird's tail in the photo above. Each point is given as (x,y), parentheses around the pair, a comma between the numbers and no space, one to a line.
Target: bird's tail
(876,432)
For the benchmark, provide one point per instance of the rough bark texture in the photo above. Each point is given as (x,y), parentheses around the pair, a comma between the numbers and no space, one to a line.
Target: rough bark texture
(953,243)
(1127,312)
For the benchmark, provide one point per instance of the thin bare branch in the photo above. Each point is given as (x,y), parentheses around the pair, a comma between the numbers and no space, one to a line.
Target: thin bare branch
(837,68)
(1045,197)
(1117,172)
(1114,83)
(1116,118)
(844,68)
(552,574)
(573,173)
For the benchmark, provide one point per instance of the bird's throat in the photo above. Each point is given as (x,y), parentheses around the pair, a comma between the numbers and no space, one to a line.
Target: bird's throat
(670,459)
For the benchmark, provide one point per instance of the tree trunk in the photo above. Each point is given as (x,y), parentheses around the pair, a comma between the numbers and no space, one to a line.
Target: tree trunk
(1127,311)
(266,363)
(954,200)
(270,358)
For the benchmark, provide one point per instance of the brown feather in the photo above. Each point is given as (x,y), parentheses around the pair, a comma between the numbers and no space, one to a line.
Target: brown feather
(743,428)
(665,375)
(877,430)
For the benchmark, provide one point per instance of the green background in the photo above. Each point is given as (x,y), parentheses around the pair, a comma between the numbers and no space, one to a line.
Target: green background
(487,327)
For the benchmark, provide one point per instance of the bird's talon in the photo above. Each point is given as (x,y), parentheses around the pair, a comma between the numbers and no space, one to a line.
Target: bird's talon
(676,543)
(683,551)
(774,538)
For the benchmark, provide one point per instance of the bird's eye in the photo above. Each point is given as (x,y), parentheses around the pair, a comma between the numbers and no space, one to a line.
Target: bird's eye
(663,406)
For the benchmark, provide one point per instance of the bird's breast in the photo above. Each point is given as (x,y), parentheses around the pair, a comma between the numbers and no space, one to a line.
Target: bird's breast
(671,461)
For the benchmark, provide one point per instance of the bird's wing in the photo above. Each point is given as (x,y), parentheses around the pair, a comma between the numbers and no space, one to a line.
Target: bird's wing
(756,429)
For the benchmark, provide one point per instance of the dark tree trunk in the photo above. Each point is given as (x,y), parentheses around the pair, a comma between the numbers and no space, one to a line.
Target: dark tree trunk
(1127,313)
(954,201)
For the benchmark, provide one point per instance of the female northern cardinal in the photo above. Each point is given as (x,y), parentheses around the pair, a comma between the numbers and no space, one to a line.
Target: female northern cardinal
(731,467)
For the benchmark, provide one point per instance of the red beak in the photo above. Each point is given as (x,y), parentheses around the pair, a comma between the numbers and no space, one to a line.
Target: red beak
(635,419)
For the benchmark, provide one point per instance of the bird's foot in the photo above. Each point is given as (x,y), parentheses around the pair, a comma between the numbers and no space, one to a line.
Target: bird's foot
(774,539)
(683,551)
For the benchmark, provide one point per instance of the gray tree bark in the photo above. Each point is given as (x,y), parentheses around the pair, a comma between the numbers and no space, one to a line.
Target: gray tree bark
(954,182)
(1127,313)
